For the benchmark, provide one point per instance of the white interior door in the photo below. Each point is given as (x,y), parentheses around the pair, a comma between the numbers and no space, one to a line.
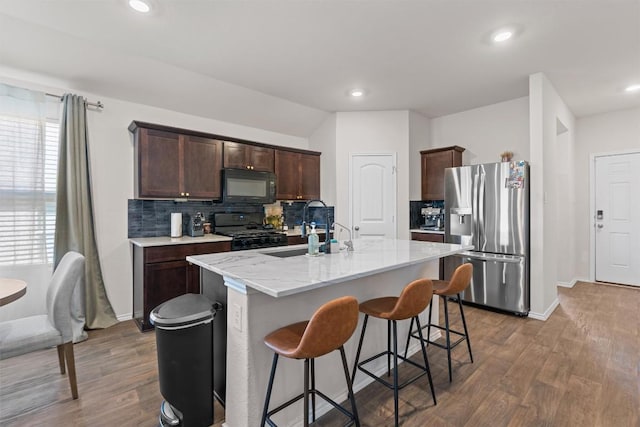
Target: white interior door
(373,195)
(617,218)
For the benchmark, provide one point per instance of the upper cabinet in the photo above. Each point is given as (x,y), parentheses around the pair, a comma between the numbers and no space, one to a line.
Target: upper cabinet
(434,162)
(180,163)
(297,175)
(245,156)
(173,165)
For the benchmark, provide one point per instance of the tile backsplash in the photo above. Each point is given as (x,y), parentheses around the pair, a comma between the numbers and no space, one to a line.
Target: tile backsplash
(152,218)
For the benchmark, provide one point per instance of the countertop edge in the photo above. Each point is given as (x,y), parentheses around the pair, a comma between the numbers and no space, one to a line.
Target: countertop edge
(146,242)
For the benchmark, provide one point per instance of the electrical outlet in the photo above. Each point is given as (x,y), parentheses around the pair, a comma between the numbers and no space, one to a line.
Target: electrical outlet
(237,317)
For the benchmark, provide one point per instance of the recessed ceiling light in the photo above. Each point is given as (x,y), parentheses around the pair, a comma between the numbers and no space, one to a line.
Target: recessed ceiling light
(632,88)
(140,6)
(356,93)
(502,35)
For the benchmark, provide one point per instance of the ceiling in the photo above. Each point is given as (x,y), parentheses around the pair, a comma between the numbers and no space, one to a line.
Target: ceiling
(282,65)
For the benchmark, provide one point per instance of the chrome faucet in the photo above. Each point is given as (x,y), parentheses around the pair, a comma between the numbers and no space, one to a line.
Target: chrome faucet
(303,228)
(347,243)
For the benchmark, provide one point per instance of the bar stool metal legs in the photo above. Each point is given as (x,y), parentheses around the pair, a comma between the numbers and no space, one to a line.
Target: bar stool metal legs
(392,338)
(309,371)
(464,336)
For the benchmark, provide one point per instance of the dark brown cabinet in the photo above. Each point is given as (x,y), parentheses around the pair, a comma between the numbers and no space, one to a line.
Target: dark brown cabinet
(161,273)
(297,175)
(431,237)
(172,165)
(433,163)
(245,156)
(298,240)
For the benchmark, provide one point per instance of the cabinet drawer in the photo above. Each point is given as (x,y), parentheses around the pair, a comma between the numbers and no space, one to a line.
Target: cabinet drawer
(180,252)
(428,237)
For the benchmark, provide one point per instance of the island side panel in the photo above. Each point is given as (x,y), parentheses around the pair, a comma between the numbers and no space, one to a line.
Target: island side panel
(249,360)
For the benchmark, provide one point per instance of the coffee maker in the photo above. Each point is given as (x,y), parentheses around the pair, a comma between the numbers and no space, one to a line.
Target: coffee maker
(196,225)
(433,218)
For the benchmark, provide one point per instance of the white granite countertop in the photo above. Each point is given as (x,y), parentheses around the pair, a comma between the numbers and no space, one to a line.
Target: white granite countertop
(184,240)
(280,277)
(419,230)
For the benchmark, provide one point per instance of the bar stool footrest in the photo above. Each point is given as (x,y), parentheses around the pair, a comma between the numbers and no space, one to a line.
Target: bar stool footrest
(386,383)
(301,396)
(437,344)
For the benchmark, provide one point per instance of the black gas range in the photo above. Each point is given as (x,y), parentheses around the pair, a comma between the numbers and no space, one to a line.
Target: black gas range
(247,231)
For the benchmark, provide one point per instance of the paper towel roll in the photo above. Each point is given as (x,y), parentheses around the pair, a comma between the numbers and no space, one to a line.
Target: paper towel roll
(176,224)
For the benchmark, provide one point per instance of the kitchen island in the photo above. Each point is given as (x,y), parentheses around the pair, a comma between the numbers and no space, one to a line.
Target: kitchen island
(269,288)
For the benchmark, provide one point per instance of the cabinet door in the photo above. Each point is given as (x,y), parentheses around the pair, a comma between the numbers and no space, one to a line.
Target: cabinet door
(309,176)
(162,281)
(261,158)
(159,163)
(234,155)
(287,175)
(434,165)
(202,165)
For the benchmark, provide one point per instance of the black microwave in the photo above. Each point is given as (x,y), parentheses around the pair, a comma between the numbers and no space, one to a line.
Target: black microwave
(247,186)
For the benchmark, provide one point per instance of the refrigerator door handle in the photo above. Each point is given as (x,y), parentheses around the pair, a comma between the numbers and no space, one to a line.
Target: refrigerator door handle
(475,241)
(491,257)
(482,238)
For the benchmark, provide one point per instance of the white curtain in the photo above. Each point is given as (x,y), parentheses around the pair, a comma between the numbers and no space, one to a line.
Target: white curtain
(28,159)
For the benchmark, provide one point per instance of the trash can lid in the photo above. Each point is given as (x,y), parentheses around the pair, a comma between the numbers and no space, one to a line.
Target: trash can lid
(183,311)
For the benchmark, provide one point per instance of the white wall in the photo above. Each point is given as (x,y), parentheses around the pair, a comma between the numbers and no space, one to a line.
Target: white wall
(485,132)
(547,111)
(373,132)
(618,131)
(419,139)
(111,151)
(324,140)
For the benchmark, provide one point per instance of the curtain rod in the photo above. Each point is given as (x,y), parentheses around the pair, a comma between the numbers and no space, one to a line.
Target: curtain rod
(98,104)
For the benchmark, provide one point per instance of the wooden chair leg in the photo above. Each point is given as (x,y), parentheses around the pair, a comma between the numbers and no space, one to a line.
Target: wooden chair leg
(61,358)
(71,365)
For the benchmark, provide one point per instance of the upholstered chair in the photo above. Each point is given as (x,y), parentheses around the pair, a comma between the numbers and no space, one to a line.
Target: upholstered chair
(33,333)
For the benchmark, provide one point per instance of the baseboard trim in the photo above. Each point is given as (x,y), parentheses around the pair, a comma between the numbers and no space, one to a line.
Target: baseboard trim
(572,283)
(544,316)
(124,317)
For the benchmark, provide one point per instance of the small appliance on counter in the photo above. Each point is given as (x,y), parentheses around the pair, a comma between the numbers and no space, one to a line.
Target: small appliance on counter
(196,225)
(433,218)
(176,224)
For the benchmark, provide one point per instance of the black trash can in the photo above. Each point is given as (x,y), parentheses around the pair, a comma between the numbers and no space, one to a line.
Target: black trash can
(185,359)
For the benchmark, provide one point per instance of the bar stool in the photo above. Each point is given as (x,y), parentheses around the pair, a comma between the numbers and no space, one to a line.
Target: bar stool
(412,301)
(459,282)
(329,328)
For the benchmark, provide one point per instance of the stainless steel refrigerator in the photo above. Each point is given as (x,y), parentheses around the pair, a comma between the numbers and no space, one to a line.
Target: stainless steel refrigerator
(487,206)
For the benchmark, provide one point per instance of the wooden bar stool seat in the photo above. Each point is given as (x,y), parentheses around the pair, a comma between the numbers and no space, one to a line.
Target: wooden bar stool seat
(412,301)
(460,280)
(329,328)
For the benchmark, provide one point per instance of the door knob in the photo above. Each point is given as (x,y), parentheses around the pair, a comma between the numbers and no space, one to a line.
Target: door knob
(356,228)
(600,225)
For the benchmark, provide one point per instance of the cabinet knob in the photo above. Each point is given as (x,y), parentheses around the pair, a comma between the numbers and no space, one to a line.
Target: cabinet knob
(182,194)
(186,194)
(248,167)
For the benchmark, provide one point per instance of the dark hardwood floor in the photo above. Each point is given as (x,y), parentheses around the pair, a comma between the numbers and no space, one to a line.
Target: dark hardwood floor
(579,368)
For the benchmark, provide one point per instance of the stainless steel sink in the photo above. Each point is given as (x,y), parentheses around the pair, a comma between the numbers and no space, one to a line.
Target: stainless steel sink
(287,253)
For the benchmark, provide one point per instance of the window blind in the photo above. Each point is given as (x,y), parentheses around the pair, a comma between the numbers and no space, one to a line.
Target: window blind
(28,169)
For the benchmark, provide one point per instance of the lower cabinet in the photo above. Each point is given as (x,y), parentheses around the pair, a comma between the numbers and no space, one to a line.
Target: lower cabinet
(431,237)
(161,273)
(297,240)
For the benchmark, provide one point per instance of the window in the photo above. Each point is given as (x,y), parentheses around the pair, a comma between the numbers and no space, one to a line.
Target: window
(28,168)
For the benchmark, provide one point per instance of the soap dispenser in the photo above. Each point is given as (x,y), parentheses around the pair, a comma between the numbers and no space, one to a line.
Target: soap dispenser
(313,241)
